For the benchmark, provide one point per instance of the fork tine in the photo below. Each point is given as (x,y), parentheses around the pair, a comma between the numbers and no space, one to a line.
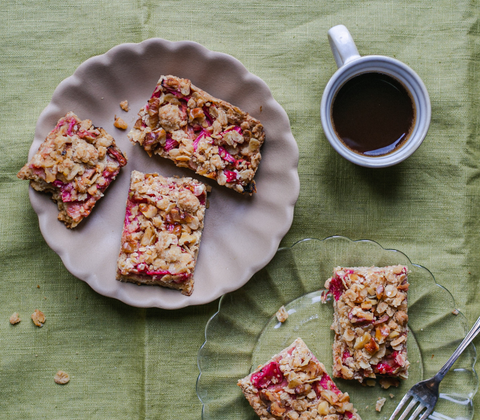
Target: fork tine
(427,413)
(409,409)
(400,405)
(417,412)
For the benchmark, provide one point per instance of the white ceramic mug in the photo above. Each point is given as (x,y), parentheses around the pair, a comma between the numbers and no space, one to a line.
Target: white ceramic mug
(351,64)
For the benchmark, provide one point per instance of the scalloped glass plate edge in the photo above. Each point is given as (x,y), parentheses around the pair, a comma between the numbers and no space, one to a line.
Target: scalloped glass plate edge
(463,399)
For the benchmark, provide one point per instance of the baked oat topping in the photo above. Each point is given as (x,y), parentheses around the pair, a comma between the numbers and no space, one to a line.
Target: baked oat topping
(217,140)
(38,318)
(162,230)
(370,322)
(14,318)
(294,385)
(75,164)
(282,314)
(62,378)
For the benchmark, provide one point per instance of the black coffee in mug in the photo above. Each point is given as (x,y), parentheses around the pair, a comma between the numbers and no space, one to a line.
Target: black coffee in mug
(373,114)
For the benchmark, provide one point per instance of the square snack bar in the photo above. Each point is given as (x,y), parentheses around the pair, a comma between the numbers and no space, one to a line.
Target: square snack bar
(294,385)
(75,164)
(162,230)
(217,140)
(370,322)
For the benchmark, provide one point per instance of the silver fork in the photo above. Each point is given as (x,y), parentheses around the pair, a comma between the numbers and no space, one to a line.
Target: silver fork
(423,396)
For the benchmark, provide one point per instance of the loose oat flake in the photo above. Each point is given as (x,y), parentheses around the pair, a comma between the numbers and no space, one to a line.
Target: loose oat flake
(380,403)
(62,378)
(282,314)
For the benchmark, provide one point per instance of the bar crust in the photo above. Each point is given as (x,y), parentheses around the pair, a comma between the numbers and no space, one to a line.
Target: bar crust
(294,385)
(216,139)
(75,164)
(163,225)
(370,322)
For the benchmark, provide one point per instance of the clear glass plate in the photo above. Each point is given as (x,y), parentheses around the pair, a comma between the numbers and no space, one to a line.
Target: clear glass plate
(245,333)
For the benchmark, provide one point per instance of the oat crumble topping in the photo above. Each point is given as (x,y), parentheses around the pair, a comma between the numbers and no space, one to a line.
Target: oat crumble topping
(370,322)
(217,140)
(162,230)
(75,164)
(294,385)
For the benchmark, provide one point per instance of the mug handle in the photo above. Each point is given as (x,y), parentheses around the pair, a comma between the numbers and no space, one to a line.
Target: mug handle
(342,45)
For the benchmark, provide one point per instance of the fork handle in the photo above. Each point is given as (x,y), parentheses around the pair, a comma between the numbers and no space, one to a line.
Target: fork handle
(456,354)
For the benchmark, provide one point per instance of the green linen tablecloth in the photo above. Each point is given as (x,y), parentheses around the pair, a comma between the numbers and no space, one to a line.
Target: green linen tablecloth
(130,363)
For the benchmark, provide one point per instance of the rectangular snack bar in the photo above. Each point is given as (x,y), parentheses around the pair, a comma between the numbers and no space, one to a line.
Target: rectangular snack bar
(75,164)
(370,322)
(294,385)
(162,230)
(217,140)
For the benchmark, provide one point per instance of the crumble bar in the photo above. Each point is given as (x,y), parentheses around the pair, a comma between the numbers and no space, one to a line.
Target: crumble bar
(370,322)
(75,164)
(162,230)
(187,125)
(294,385)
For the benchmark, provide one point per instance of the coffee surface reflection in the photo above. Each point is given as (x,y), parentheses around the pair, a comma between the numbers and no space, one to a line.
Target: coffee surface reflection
(373,114)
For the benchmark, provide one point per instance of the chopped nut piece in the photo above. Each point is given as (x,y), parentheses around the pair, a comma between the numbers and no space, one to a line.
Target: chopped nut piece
(370,322)
(282,314)
(124,105)
(294,385)
(14,318)
(119,123)
(379,404)
(62,378)
(38,318)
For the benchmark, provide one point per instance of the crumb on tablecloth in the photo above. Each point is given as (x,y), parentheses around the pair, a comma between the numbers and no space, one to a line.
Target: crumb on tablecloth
(386,383)
(38,318)
(62,378)
(124,105)
(14,318)
(282,314)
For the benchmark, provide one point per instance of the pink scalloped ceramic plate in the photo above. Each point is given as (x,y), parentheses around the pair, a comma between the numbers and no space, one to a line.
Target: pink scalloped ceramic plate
(241,233)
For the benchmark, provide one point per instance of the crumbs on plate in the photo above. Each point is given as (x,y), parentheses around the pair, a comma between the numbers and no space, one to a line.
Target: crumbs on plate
(124,105)
(119,123)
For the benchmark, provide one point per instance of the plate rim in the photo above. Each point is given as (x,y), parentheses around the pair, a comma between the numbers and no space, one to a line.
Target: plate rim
(460,314)
(282,227)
